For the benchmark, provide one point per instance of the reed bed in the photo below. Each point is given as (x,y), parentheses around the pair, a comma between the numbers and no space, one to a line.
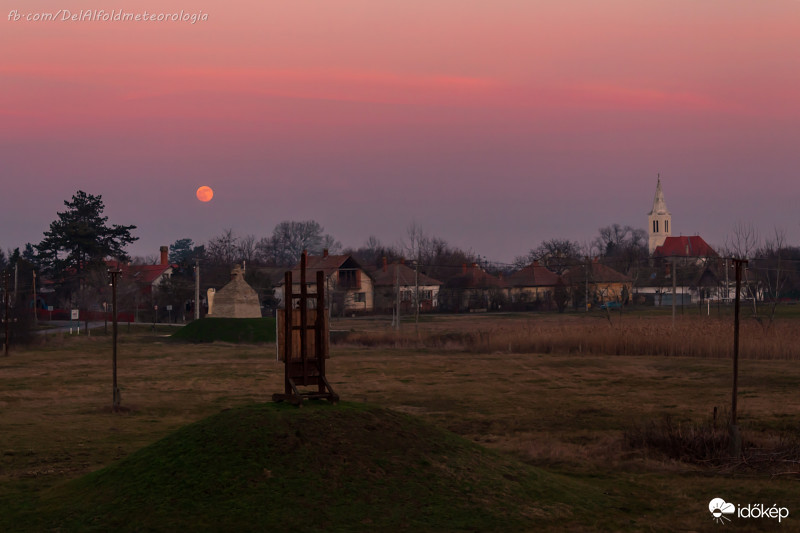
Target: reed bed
(707,337)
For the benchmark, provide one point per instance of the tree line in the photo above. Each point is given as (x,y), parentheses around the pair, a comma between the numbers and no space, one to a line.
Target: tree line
(71,257)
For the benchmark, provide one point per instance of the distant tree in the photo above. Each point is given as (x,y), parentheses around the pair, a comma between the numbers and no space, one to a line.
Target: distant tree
(80,238)
(290,238)
(181,251)
(246,249)
(372,252)
(222,249)
(29,254)
(742,242)
(624,248)
(556,254)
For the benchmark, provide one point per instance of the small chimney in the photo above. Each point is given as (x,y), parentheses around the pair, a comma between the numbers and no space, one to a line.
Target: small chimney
(325,252)
(463,268)
(402,260)
(384,263)
(164,255)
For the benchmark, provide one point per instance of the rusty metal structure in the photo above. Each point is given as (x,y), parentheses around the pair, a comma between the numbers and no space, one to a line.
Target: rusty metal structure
(303,341)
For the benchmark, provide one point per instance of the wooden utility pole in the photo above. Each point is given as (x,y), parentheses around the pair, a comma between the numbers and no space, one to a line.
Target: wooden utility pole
(397,296)
(674,289)
(196,289)
(416,293)
(735,435)
(35,303)
(115,390)
(586,285)
(8,308)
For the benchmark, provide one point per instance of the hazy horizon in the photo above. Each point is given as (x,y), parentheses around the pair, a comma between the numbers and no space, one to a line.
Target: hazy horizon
(494,126)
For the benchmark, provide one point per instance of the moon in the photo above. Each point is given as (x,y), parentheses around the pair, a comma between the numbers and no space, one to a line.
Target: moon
(205,193)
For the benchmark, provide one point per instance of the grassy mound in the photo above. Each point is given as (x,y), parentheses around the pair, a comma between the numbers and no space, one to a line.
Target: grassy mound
(350,467)
(249,330)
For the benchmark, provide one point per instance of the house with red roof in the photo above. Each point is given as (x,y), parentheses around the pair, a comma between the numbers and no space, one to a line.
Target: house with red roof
(601,282)
(473,290)
(532,287)
(146,277)
(390,279)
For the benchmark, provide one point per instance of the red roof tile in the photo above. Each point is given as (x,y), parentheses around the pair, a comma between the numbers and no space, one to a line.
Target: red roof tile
(405,273)
(533,275)
(687,246)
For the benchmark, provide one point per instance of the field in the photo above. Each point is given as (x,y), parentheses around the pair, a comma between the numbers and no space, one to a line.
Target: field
(640,429)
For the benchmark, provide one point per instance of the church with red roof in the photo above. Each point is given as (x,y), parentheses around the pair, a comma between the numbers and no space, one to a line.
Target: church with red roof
(661,242)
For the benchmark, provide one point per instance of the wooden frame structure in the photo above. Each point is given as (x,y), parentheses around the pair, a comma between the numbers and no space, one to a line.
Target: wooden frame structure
(304,355)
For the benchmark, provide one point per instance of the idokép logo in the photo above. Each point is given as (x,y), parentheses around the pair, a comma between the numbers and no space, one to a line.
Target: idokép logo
(719,508)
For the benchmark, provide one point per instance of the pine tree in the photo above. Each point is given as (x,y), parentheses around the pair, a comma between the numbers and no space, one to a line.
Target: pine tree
(79,238)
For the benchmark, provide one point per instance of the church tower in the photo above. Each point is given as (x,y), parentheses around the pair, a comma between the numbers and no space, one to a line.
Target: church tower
(659,220)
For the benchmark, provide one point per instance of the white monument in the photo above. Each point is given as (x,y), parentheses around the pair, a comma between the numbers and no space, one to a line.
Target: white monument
(236,299)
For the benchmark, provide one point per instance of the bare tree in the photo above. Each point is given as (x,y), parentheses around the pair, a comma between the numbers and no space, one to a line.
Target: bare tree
(290,238)
(246,249)
(742,242)
(556,254)
(223,249)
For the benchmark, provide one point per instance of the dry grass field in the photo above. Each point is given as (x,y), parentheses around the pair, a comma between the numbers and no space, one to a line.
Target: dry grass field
(551,391)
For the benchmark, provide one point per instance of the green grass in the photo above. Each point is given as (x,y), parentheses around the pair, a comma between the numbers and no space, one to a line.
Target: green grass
(274,467)
(235,330)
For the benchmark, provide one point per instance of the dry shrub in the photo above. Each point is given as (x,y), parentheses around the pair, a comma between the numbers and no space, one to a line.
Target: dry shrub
(687,442)
(707,444)
(697,337)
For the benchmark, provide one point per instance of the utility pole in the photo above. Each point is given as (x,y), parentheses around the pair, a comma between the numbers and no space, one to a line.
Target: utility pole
(115,391)
(674,291)
(397,296)
(196,288)
(735,436)
(8,308)
(416,293)
(586,286)
(35,303)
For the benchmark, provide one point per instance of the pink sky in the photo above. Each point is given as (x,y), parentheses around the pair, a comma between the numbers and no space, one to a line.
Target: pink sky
(494,125)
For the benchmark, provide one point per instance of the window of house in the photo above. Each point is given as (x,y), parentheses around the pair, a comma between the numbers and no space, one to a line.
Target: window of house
(349,279)
(361,297)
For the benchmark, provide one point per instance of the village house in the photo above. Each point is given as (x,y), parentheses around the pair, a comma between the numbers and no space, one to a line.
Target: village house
(348,285)
(146,277)
(532,288)
(602,283)
(474,290)
(389,279)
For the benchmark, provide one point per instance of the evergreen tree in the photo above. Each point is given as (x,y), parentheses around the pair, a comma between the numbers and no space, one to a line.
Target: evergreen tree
(80,238)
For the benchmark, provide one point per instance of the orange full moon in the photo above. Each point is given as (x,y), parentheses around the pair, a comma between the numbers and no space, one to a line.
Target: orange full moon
(205,194)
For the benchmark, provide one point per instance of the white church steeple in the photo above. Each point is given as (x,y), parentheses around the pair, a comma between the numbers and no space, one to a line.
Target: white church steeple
(659,220)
